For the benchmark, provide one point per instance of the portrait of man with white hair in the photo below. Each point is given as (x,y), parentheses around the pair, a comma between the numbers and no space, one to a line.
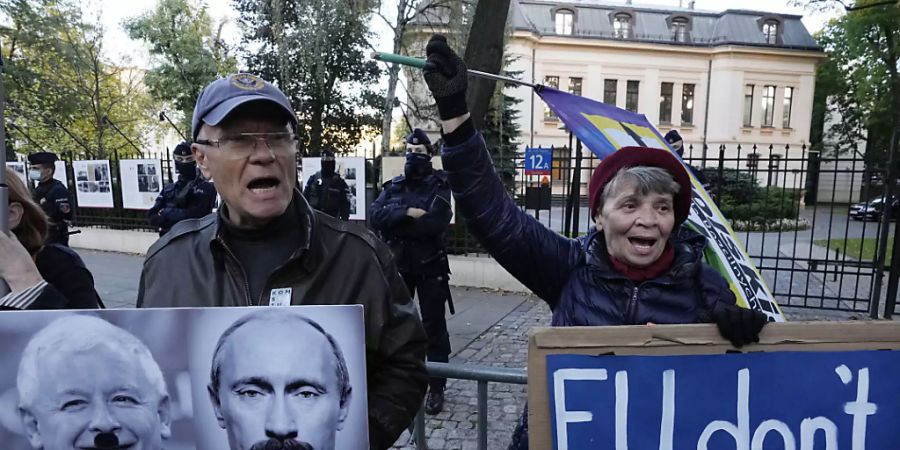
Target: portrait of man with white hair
(86,384)
(279,380)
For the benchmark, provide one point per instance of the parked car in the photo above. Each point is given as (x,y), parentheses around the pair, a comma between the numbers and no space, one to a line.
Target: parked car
(871,210)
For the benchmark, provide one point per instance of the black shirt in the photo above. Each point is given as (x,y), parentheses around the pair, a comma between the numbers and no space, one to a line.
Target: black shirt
(261,251)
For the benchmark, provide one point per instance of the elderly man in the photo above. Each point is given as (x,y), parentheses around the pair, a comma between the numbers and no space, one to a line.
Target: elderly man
(266,246)
(86,384)
(278,380)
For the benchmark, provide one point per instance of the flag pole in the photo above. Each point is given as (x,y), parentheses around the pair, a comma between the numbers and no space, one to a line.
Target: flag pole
(420,63)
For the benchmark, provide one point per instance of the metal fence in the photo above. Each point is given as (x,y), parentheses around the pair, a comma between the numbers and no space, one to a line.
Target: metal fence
(817,256)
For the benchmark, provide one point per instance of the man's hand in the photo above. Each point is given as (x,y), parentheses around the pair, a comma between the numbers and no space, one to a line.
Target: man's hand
(447,78)
(739,325)
(415,213)
(16,266)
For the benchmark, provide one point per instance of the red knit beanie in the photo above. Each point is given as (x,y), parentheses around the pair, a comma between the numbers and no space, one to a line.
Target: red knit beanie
(642,156)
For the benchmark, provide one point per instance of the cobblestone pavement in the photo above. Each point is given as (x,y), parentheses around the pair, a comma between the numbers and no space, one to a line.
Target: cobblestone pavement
(506,345)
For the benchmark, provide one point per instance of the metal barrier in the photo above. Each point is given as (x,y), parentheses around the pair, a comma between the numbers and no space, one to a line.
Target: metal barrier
(483,375)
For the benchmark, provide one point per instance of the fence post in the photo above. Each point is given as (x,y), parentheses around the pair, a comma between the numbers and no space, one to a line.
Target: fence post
(419,431)
(894,276)
(886,212)
(812,178)
(576,193)
(482,414)
(721,172)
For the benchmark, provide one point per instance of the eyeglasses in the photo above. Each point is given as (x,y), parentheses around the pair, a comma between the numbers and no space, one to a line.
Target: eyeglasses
(243,145)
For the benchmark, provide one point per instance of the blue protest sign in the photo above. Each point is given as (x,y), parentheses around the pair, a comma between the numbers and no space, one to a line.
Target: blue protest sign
(779,400)
(538,161)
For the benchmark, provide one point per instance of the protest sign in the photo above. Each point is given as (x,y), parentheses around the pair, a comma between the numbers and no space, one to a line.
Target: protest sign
(804,386)
(184,379)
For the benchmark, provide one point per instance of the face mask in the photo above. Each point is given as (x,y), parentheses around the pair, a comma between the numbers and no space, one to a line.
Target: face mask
(186,170)
(34,175)
(418,165)
(327,168)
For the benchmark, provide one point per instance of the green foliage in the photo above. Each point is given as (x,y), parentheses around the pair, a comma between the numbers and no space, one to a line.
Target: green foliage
(861,75)
(863,249)
(188,53)
(740,198)
(316,51)
(501,132)
(63,94)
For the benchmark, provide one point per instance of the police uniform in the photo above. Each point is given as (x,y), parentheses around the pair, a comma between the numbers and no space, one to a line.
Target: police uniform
(188,198)
(419,249)
(53,196)
(329,194)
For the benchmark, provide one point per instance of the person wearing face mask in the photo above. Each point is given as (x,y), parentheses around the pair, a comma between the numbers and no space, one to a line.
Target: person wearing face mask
(412,214)
(190,197)
(40,275)
(327,191)
(52,195)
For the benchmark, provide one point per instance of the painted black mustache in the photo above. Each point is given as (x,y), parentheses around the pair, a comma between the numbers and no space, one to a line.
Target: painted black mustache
(275,444)
(106,440)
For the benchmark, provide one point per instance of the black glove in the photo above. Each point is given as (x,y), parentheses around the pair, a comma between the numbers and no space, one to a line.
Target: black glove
(739,325)
(447,78)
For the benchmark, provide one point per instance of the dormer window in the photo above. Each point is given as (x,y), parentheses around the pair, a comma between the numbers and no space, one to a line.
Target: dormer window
(565,20)
(680,29)
(770,31)
(622,25)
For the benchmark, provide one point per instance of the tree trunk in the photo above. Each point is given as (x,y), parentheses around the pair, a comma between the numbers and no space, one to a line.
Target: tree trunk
(316,130)
(484,52)
(386,121)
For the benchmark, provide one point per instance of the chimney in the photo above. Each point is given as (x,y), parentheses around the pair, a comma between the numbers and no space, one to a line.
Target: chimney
(691,4)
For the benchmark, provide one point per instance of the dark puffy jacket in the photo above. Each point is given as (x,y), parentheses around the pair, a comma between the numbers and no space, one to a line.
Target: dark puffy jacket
(574,276)
(417,244)
(342,263)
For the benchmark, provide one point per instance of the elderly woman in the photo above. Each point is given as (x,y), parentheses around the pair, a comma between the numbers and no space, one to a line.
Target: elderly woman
(630,270)
(39,275)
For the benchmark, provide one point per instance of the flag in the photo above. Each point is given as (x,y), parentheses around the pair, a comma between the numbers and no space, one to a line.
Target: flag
(604,129)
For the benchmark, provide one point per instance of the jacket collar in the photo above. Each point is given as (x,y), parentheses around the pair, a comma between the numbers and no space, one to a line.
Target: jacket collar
(310,251)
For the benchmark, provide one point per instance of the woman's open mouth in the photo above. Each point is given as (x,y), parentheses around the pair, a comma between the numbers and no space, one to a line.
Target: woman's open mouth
(642,245)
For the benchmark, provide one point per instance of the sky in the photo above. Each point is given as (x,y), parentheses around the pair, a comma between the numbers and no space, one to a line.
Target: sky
(122,49)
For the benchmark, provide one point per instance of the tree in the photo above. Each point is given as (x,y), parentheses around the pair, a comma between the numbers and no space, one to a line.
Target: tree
(862,74)
(501,132)
(314,50)
(484,52)
(63,93)
(188,53)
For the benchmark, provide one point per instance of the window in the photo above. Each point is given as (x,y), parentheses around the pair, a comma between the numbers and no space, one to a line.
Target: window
(680,29)
(753,163)
(550,81)
(768,105)
(565,20)
(665,103)
(748,105)
(575,85)
(609,91)
(687,104)
(622,26)
(631,95)
(770,31)
(788,103)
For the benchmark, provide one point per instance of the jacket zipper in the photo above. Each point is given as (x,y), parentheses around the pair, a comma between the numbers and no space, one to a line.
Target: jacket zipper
(631,309)
(243,274)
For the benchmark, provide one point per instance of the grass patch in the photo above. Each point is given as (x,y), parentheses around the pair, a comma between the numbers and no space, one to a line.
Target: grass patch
(858,248)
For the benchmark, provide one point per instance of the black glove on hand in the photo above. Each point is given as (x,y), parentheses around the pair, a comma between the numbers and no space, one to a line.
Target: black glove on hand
(739,325)
(447,78)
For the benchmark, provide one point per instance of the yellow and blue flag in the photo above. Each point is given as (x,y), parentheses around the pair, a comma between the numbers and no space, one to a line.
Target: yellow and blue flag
(604,129)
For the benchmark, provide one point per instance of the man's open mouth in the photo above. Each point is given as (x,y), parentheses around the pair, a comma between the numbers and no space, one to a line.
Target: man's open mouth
(263,185)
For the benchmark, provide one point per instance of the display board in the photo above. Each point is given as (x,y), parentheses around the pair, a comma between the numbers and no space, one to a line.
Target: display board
(60,173)
(93,186)
(141,182)
(804,386)
(184,378)
(20,170)
(353,171)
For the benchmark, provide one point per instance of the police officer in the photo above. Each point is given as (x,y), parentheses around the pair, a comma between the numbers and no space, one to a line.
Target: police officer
(188,198)
(327,191)
(412,213)
(52,195)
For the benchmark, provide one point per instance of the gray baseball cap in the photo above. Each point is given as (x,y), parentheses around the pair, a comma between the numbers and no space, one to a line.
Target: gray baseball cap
(219,98)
